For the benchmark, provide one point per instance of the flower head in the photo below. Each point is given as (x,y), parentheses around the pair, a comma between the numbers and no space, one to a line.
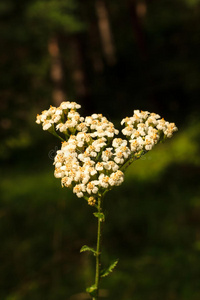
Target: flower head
(92,158)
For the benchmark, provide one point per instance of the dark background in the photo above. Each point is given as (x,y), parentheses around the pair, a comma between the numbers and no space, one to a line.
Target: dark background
(111,57)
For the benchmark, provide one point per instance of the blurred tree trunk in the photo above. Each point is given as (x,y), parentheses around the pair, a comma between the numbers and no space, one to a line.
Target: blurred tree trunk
(77,63)
(56,72)
(137,13)
(95,45)
(105,32)
(79,72)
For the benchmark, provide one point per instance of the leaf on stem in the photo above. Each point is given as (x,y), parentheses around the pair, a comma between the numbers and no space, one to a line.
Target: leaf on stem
(86,248)
(107,271)
(92,290)
(100,216)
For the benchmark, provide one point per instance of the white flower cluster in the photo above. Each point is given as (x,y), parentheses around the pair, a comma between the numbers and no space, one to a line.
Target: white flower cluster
(144,130)
(65,117)
(91,158)
(87,166)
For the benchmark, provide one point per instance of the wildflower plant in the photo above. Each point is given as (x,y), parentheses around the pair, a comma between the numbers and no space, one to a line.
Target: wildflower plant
(92,159)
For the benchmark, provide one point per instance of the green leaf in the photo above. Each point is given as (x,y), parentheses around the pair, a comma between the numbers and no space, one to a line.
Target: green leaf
(106,272)
(92,290)
(86,248)
(100,216)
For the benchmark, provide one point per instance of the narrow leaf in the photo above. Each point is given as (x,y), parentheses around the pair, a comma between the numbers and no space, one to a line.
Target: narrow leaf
(92,290)
(106,272)
(100,216)
(86,248)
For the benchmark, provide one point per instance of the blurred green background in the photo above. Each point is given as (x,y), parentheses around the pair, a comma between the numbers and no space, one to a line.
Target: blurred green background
(111,57)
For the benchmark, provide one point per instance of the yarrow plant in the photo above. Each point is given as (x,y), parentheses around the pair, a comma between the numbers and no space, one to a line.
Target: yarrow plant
(92,159)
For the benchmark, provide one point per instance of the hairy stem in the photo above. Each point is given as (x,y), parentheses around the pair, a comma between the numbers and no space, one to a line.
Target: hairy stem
(98,251)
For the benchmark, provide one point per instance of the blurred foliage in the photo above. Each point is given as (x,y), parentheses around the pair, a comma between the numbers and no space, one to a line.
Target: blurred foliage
(152,225)
(152,220)
(54,16)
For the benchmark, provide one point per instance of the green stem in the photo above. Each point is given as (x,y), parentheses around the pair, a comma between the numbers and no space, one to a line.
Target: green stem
(52,131)
(131,159)
(98,252)
(59,137)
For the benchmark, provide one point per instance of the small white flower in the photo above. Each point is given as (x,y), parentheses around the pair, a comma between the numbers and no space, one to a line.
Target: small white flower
(151,120)
(58,173)
(94,116)
(56,118)
(82,127)
(144,114)
(92,171)
(119,160)
(116,178)
(107,154)
(171,128)
(88,164)
(125,120)
(61,127)
(73,114)
(47,125)
(148,143)
(119,142)
(69,105)
(135,134)
(104,181)
(111,165)
(38,119)
(161,124)
(79,189)
(99,144)
(156,116)
(111,131)
(74,105)
(127,130)
(88,121)
(153,133)
(92,187)
(71,124)
(85,178)
(84,157)
(66,181)
(91,151)
(51,111)
(121,153)
(142,128)
(65,105)
(137,144)
(82,136)
(99,166)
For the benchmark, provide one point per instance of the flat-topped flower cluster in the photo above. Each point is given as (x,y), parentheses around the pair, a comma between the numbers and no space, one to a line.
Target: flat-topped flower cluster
(92,159)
